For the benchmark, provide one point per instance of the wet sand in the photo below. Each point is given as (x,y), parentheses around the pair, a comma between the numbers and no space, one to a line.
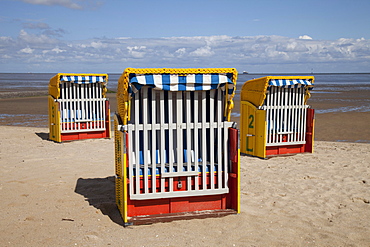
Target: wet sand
(332,126)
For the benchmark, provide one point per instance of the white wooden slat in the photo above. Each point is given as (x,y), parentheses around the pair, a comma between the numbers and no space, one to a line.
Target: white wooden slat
(300,116)
(83,101)
(219,139)
(91,110)
(61,105)
(288,93)
(146,137)
(154,140)
(294,115)
(304,113)
(162,145)
(196,138)
(268,113)
(96,105)
(285,110)
(204,141)
(274,113)
(179,132)
(226,156)
(131,158)
(137,143)
(212,138)
(170,138)
(189,138)
(73,107)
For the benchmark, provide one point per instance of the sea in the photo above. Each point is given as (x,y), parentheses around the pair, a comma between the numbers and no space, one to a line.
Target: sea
(351,89)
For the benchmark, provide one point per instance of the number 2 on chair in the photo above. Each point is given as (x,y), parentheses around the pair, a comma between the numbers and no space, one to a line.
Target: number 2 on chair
(251,117)
(250,126)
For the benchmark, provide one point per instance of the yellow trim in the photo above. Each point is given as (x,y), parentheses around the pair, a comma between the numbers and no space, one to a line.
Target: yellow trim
(125,219)
(252,130)
(54,120)
(261,130)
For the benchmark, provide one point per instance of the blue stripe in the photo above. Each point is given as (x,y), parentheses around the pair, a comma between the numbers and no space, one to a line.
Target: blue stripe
(182,83)
(215,79)
(198,82)
(82,79)
(166,82)
(133,78)
(287,83)
(149,79)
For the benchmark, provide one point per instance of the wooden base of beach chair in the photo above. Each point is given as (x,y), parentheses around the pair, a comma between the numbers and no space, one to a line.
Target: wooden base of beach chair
(151,219)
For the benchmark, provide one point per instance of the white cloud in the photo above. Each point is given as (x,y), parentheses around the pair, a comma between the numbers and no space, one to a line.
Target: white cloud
(57,50)
(252,53)
(27,50)
(65,3)
(203,52)
(305,37)
(98,45)
(34,38)
(180,52)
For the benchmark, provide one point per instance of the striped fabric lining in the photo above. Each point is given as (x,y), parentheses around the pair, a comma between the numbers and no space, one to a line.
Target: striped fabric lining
(175,82)
(288,83)
(82,79)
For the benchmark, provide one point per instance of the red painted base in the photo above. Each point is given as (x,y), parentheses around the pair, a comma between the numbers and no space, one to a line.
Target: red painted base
(180,205)
(84,135)
(291,149)
(299,148)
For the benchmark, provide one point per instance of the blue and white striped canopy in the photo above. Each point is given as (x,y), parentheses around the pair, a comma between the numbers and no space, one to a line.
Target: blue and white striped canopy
(290,83)
(175,82)
(83,79)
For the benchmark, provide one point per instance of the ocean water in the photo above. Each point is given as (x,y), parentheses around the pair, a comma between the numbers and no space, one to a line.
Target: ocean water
(350,90)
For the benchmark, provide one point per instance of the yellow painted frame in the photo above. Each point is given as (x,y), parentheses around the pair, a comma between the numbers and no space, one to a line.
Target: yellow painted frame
(253,130)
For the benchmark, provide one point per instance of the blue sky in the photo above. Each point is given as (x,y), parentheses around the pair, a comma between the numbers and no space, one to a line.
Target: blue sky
(257,36)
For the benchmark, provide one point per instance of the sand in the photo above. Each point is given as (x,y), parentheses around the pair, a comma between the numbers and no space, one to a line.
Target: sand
(63,194)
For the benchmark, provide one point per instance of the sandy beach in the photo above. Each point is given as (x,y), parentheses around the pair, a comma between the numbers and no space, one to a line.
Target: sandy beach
(63,194)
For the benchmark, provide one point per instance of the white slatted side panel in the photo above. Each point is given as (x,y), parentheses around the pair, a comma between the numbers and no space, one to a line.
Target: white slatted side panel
(285,115)
(174,138)
(82,104)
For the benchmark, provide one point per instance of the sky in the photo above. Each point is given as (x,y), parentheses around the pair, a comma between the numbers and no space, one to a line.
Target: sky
(260,36)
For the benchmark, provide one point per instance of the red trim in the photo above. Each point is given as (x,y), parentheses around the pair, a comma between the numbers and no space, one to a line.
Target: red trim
(310,130)
(288,149)
(83,135)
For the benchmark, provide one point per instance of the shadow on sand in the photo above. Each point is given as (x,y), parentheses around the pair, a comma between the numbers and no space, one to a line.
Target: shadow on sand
(44,136)
(100,193)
